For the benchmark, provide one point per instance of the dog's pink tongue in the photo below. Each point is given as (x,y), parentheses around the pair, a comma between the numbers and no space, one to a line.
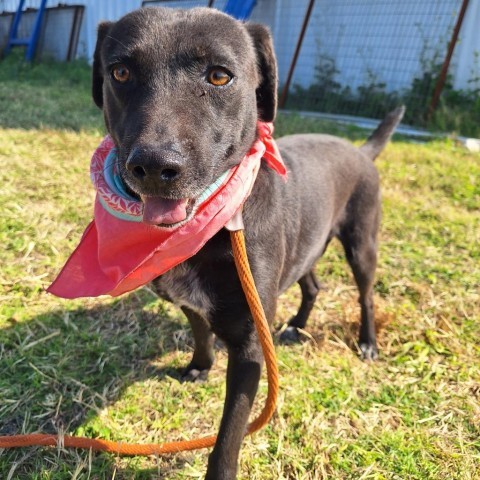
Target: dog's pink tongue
(158,210)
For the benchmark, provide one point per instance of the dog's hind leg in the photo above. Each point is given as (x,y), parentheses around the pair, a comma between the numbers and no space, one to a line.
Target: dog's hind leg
(203,354)
(361,253)
(310,287)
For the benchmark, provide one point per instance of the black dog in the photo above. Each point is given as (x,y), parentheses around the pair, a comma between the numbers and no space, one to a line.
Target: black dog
(181,93)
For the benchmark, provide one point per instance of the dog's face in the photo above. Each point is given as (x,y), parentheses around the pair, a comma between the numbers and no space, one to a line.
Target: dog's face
(181,93)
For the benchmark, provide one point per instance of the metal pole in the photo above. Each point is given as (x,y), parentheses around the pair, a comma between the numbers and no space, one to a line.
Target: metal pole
(14,27)
(32,45)
(446,63)
(286,87)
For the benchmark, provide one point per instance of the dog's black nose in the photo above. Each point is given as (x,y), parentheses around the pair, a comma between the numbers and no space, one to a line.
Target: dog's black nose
(149,164)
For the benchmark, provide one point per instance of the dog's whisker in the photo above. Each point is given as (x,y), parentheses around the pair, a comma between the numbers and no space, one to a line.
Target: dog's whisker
(116,40)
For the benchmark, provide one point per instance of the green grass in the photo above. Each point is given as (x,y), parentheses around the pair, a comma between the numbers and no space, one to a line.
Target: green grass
(109,368)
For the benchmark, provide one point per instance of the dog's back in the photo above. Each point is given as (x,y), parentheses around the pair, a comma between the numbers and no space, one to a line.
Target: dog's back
(326,176)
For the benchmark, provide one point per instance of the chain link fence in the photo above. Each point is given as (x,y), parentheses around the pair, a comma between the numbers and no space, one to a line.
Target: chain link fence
(364,57)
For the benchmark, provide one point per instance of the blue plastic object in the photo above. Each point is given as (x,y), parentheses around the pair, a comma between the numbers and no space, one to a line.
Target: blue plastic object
(239,9)
(31,42)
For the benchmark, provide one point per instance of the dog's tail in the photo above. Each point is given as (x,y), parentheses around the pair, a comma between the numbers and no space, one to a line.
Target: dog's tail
(378,139)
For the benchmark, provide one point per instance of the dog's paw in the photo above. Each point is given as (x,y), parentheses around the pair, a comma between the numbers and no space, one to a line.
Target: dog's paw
(290,335)
(192,374)
(369,352)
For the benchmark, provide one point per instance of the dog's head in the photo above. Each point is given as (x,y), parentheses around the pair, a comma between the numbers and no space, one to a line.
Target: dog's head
(181,92)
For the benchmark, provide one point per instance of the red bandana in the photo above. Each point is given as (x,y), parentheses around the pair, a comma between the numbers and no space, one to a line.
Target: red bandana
(119,252)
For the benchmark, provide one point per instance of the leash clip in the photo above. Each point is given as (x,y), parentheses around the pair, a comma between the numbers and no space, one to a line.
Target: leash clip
(236,222)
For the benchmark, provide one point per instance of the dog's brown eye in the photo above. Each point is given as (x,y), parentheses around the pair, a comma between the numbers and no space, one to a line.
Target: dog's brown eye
(120,73)
(218,77)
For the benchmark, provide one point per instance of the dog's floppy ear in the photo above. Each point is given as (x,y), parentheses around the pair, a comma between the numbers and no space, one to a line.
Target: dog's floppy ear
(97,74)
(267,69)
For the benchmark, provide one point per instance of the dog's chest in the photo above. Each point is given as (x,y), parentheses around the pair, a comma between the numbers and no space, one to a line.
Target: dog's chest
(182,285)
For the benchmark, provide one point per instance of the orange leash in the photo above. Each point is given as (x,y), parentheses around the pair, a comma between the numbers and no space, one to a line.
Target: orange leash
(263,330)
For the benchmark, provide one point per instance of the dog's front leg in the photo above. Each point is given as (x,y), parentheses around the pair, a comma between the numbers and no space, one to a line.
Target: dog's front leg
(243,375)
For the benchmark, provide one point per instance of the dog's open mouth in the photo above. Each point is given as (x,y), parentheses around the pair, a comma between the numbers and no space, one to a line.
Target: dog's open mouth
(123,202)
(170,213)
(162,211)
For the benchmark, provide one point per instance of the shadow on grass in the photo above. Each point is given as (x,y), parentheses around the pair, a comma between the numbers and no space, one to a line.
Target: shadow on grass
(59,370)
(49,95)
